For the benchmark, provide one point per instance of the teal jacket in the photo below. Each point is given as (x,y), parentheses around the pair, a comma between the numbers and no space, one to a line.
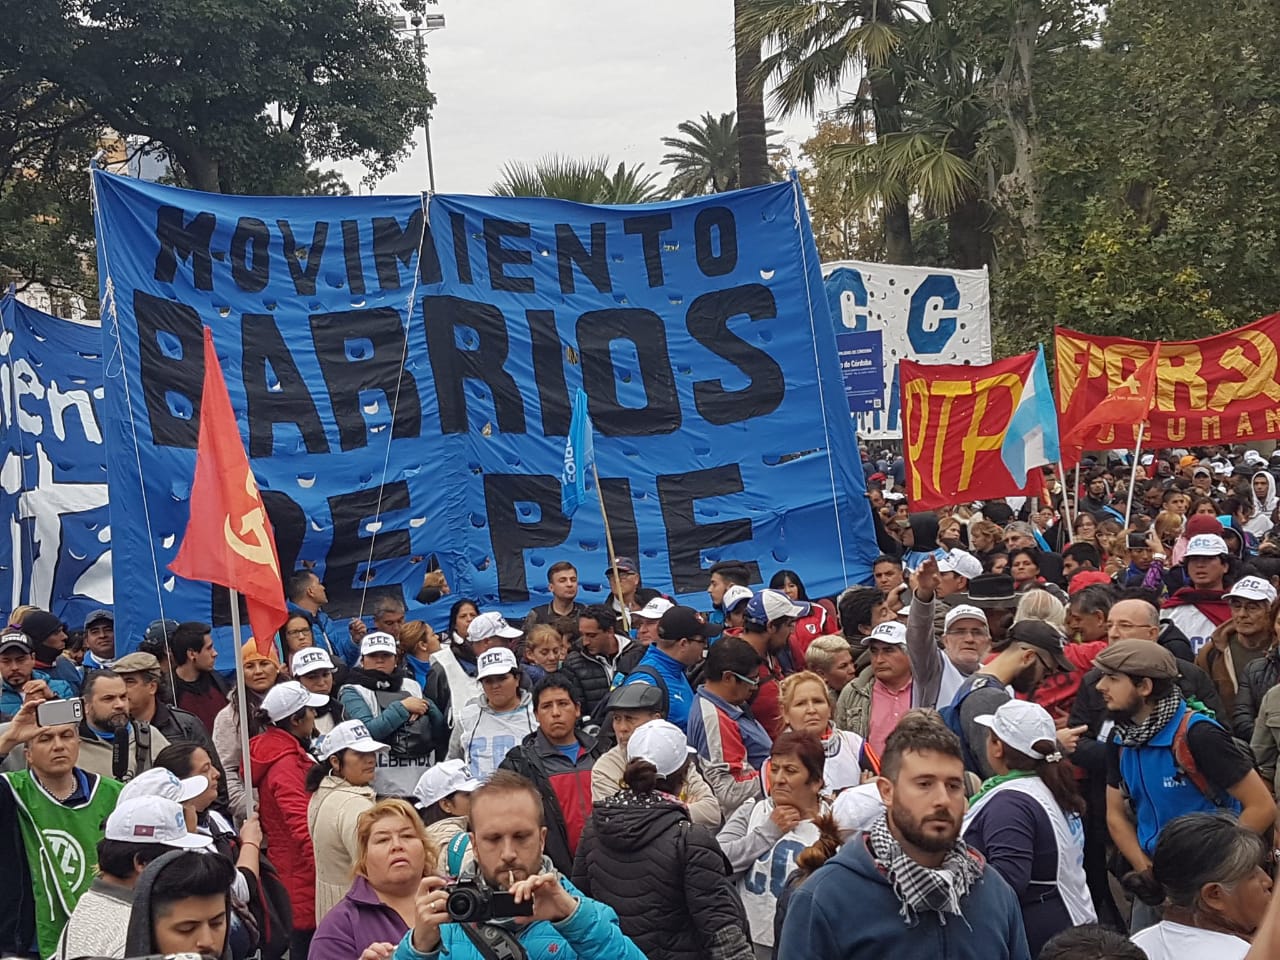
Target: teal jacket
(590,933)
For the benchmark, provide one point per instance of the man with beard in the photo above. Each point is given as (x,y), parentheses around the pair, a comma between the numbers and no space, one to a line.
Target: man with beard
(112,745)
(966,636)
(916,888)
(508,831)
(1165,759)
(1031,651)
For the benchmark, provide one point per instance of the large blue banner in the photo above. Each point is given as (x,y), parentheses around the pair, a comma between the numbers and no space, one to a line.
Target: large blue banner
(55,548)
(403,377)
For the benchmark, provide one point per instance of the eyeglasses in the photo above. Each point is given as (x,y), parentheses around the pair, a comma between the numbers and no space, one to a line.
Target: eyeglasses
(300,632)
(1239,603)
(751,682)
(975,632)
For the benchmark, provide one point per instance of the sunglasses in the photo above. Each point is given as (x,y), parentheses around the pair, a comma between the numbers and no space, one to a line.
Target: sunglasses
(751,682)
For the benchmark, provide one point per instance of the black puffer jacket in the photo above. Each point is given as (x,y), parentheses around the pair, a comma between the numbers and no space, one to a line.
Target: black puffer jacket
(665,877)
(1259,676)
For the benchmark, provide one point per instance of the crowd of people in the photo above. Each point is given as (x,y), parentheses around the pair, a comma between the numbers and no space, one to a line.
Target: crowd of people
(1038,731)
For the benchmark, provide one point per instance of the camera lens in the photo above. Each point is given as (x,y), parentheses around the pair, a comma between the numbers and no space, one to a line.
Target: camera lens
(465,905)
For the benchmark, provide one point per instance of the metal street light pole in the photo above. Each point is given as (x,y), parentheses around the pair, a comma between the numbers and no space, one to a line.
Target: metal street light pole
(421,25)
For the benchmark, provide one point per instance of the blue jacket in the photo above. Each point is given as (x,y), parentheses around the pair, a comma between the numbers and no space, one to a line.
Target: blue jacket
(11,697)
(679,692)
(1158,791)
(820,923)
(329,634)
(590,933)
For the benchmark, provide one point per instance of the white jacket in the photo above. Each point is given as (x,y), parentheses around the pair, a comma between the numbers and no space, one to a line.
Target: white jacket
(483,738)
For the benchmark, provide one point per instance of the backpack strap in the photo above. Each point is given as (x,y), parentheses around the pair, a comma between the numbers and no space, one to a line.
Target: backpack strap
(142,747)
(1185,761)
(456,851)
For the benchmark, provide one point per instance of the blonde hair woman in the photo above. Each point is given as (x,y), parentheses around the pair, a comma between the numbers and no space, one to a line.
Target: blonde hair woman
(1041,605)
(393,854)
(807,707)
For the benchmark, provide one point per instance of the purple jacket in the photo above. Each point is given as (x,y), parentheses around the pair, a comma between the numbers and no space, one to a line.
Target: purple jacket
(358,920)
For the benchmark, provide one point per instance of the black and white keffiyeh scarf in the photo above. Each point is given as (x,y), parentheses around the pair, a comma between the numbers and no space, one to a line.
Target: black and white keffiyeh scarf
(1139,734)
(921,888)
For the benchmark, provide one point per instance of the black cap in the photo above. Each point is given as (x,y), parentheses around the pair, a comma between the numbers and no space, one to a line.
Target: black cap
(1043,636)
(99,616)
(159,631)
(636,696)
(13,640)
(681,622)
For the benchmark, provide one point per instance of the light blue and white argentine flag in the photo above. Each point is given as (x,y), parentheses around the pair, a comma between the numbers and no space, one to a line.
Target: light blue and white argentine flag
(579,454)
(1032,438)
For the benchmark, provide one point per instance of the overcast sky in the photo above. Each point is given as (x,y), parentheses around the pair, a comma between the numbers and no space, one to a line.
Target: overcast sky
(518,79)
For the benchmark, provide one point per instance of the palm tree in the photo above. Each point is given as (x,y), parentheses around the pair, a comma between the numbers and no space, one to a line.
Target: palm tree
(571,178)
(753,149)
(705,158)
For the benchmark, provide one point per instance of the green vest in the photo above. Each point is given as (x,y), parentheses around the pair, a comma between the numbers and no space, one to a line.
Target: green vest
(61,844)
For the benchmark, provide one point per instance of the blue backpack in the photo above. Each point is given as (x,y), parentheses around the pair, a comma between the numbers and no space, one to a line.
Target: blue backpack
(951,714)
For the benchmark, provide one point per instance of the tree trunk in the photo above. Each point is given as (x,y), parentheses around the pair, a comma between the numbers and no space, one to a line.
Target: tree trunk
(968,236)
(887,110)
(1018,192)
(753,151)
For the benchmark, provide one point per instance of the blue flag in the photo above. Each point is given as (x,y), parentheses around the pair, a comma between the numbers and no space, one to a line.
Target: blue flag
(579,455)
(1032,438)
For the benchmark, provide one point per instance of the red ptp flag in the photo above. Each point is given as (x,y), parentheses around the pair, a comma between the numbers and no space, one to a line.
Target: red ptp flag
(1128,404)
(229,540)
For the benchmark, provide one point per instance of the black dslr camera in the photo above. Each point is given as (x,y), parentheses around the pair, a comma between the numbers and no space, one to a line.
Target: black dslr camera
(471,901)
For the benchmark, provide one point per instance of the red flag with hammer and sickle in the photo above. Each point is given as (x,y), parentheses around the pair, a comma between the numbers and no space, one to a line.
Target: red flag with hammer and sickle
(229,540)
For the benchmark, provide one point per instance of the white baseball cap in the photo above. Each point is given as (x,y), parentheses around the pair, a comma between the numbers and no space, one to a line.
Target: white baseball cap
(963,611)
(378,642)
(491,624)
(444,780)
(654,609)
(286,699)
(889,632)
(769,605)
(735,595)
(1022,724)
(152,819)
(309,660)
(1206,545)
(159,782)
(661,743)
(495,663)
(1253,588)
(962,562)
(348,735)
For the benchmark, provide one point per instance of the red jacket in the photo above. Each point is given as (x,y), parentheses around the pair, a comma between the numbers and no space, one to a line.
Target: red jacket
(280,768)
(819,622)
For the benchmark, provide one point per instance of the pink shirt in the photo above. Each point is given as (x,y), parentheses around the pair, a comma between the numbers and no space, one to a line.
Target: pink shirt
(887,708)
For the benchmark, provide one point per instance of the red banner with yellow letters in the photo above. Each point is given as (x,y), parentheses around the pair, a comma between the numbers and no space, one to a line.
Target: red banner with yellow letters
(954,419)
(1223,389)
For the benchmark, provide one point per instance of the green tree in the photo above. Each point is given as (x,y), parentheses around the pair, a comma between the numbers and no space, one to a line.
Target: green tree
(753,138)
(584,180)
(705,158)
(846,225)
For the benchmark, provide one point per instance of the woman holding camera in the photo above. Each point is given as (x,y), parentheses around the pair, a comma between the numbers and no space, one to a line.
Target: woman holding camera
(393,855)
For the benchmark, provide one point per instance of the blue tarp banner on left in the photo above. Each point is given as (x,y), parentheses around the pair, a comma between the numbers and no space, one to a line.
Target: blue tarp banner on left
(403,376)
(55,548)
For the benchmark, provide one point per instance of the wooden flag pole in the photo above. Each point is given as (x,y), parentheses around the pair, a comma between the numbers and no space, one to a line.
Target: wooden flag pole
(613,559)
(1066,505)
(243,704)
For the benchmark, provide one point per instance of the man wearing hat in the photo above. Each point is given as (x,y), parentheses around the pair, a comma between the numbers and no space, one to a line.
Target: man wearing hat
(956,568)
(681,644)
(872,703)
(734,605)
(627,586)
(1031,651)
(939,673)
(19,676)
(767,623)
(99,640)
(630,707)
(1237,644)
(646,619)
(142,828)
(141,675)
(1148,784)
(1200,607)
(48,637)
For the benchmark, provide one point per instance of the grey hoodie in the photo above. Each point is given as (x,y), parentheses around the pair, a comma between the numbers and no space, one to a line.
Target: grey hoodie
(138,942)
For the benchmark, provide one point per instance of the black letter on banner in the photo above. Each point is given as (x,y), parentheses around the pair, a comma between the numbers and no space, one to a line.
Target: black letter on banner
(429,259)
(251,255)
(453,366)
(548,373)
(622,516)
(304,277)
(594,265)
(346,376)
(162,374)
(720,219)
(499,256)
(510,537)
(708,322)
(351,254)
(390,244)
(597,329)
(461,253)
(349,550)
(289,524)
(185,241)
(650,227)
(686,538)
(261,344)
